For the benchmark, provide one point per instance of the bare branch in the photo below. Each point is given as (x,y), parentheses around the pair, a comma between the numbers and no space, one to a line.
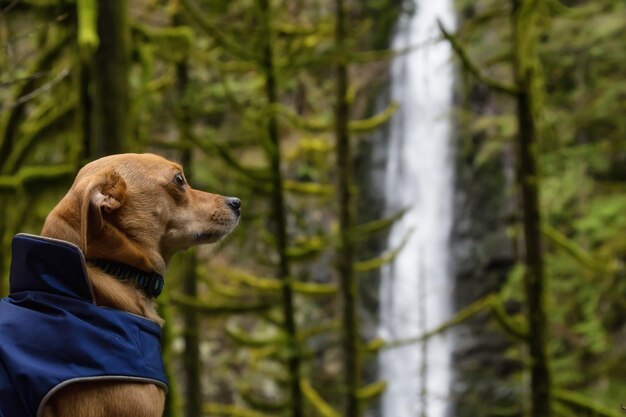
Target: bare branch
(16,80)
(44,88)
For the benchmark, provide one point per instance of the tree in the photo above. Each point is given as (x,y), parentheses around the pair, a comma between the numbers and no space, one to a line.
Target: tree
(345,253)
(525,89)
(110,116)
(526,74)
(538,56)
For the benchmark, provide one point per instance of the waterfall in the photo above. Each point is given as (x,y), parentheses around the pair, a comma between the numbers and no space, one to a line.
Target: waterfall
(416,289)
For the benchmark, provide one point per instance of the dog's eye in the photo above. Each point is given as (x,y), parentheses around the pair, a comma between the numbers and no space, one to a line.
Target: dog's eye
(179,180)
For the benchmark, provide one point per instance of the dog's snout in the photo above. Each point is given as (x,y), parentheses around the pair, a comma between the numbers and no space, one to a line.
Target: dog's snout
(234,203)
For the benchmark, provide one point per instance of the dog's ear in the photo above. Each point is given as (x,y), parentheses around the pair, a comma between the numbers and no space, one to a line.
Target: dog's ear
(105,191)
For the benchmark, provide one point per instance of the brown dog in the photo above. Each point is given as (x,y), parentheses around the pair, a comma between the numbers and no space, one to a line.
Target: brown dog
(137,210)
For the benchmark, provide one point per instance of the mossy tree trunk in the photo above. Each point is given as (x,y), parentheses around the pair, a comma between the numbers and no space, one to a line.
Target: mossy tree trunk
(345,255)
(279,212)
(85,113)
(172,399)
(111,100)
(88,41)
(526,67)
(192,364)
(527,92)
(191,319)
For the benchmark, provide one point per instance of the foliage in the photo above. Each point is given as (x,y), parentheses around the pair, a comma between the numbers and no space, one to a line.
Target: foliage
(581,157)
(198,82)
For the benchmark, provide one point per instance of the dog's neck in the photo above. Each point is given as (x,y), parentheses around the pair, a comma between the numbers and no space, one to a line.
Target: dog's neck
(151,283)
(111,292)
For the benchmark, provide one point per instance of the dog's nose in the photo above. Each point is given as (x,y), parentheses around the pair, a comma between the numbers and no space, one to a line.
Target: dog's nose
(234,203)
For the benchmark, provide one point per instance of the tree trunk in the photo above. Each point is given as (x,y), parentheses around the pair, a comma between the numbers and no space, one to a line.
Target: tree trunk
(4,250)
(192,363)
(345,260)
(279,213)
(85,110)
(191,319)
(172,399)
(525,63)
(111,102)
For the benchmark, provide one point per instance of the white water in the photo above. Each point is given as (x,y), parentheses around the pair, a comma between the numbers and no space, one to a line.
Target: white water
(416,289)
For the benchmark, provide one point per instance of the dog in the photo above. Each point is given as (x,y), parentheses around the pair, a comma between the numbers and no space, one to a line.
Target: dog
(119,225)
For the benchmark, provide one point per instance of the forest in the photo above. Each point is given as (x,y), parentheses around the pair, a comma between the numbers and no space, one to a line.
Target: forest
(292,106)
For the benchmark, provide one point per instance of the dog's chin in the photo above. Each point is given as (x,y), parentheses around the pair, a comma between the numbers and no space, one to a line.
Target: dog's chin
(210,236)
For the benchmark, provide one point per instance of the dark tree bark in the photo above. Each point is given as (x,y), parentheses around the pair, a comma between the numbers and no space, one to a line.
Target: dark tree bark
(191,319)
(192,363)
(345,255)
(85,113)
(525,63)
(279,212)
(111,119)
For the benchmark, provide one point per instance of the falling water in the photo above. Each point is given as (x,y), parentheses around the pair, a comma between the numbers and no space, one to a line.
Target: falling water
(415,294)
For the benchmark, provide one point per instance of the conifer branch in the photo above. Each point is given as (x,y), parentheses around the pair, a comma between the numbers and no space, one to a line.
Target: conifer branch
(519,329)
(576,251)
(373,346)
(314,289)
(371,391)
(261,284)
(309,188)
(273,285)
(316,400)
(574,12)
(16,80)
(321,125)
(38,130)
(38,175)
(491,302)
(472,68)
(173,43)
(308,247)
(362,231)
(371,123)
(38,91)
(262,404)
(47,60)
(244,339)
(384,259)
(211,147)
(225,291)
(583,403)
(462,315)
(231,410)
(304,334)
(196,14)
(213,309)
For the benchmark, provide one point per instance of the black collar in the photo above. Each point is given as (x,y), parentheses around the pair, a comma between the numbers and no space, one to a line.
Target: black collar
(150,282)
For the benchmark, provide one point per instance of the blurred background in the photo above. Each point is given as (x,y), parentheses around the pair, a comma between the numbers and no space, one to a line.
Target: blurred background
(434,192)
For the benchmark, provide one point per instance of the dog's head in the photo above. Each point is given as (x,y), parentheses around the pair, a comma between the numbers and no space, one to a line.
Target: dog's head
(139,210)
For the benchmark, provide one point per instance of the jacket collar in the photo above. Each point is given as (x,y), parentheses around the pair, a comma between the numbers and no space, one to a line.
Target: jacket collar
(48,265)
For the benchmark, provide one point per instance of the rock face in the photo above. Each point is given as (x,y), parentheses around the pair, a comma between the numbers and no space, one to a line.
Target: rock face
(483,256)
(485,360)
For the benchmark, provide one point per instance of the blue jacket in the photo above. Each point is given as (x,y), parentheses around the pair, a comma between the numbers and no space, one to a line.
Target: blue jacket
(52,333)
